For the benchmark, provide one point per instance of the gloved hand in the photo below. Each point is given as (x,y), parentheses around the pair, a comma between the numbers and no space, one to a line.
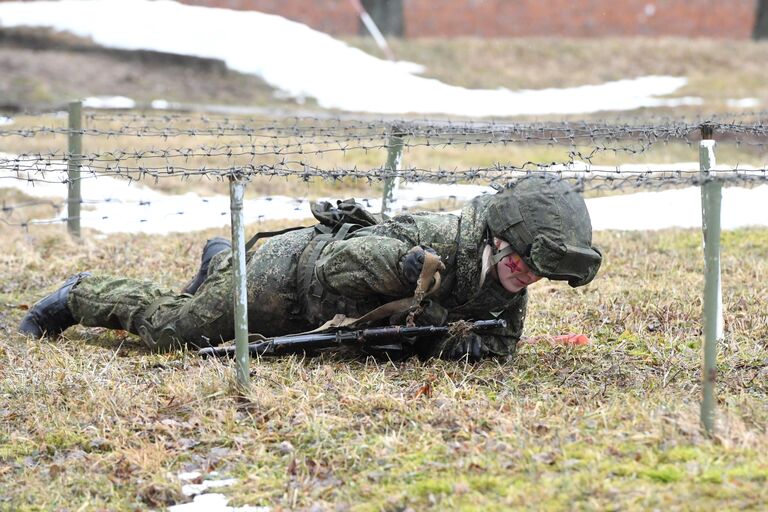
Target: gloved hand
(469,345)
(413,262)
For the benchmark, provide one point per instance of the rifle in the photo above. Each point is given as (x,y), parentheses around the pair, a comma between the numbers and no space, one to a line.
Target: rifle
(297,343)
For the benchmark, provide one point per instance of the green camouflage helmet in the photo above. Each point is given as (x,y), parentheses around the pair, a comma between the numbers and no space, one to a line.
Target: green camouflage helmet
(545,221)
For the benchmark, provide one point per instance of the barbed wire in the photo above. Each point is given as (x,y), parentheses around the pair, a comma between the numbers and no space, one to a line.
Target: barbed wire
(270,142)
(602,183)
(492,175)
(294,148)
(310,127)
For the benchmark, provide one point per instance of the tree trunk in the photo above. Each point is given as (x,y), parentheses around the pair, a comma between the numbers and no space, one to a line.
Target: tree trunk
(761,21)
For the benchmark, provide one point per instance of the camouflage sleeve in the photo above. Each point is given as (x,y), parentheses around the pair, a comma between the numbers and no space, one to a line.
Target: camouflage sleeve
(361,266)
(503,342)
(499,343)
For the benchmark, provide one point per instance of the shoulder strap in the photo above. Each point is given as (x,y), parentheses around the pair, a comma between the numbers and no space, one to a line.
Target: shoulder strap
(269,234)
(428,284)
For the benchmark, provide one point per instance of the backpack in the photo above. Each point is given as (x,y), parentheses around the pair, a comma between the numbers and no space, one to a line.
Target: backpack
(331,219)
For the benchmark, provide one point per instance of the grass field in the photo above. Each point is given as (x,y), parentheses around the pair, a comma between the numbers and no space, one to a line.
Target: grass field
(94,422)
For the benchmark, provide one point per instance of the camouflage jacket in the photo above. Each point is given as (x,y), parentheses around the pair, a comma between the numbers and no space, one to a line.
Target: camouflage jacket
(364,270)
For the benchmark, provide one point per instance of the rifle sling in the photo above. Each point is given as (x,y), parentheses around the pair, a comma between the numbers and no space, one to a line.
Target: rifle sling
(269,234)
(427,284)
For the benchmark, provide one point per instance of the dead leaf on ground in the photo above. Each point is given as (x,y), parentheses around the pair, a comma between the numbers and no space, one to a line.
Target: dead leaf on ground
(55,470)
(123,471)
(425,390)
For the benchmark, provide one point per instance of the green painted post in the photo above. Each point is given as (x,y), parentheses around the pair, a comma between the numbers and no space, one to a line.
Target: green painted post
(74,195)
(240,291)
(711,195)
(394,162)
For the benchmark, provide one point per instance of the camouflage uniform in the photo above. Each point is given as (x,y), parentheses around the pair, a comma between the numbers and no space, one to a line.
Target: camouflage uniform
(352,275)
(298,280)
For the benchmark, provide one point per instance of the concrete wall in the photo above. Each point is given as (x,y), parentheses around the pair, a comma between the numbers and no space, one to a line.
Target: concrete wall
(733,19)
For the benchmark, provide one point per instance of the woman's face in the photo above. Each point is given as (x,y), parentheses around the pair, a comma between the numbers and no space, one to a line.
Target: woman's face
(513,273)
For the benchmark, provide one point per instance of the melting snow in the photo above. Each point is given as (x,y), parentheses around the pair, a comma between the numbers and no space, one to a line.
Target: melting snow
(113,102)
(111,205)
(743,103)
(195,489)
(114,206)
(741,207)
(304,62)
(213,503)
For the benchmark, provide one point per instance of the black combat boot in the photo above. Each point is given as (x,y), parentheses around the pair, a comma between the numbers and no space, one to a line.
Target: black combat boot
(211,249)
(51,316)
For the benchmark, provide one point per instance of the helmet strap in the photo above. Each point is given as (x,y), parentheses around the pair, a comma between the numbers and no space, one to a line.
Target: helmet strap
(497,255)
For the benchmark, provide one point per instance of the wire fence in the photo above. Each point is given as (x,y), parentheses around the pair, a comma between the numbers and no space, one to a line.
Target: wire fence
(314,139)
(152,147)
(140,147)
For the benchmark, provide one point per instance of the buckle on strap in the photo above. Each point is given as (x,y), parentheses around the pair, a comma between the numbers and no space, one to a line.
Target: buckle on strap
(307,272)
(500,255)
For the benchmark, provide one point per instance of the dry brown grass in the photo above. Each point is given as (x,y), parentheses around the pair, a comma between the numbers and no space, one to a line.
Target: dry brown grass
(717,70)
(93,421)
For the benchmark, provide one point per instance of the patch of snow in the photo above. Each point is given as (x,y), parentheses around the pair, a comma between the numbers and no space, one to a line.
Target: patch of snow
(213,503)
(743,103)
(5,121)
(308,63)
(195,489)
(143,210)
(741,207)
(161,104)
(685,101)
(189,475)
(410,67)
(111,102)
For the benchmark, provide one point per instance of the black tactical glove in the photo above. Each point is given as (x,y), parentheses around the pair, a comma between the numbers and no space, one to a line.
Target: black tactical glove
(469,345)
(413,262)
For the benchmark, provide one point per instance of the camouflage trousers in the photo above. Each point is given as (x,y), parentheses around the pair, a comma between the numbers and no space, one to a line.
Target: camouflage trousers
(167,320)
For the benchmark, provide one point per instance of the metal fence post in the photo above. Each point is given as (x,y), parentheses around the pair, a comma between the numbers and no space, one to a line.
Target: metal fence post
(240,291)
(394,162)
(711,195)
(74,195)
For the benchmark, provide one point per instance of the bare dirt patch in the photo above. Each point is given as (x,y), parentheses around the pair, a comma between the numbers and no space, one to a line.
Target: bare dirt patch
(49,69)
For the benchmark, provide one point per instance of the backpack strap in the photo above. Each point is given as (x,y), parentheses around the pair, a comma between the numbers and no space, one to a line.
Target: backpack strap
(428,284)
(307,270)
(269,234)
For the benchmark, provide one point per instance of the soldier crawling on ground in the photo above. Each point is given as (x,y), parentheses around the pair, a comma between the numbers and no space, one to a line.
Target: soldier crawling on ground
(489,254)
